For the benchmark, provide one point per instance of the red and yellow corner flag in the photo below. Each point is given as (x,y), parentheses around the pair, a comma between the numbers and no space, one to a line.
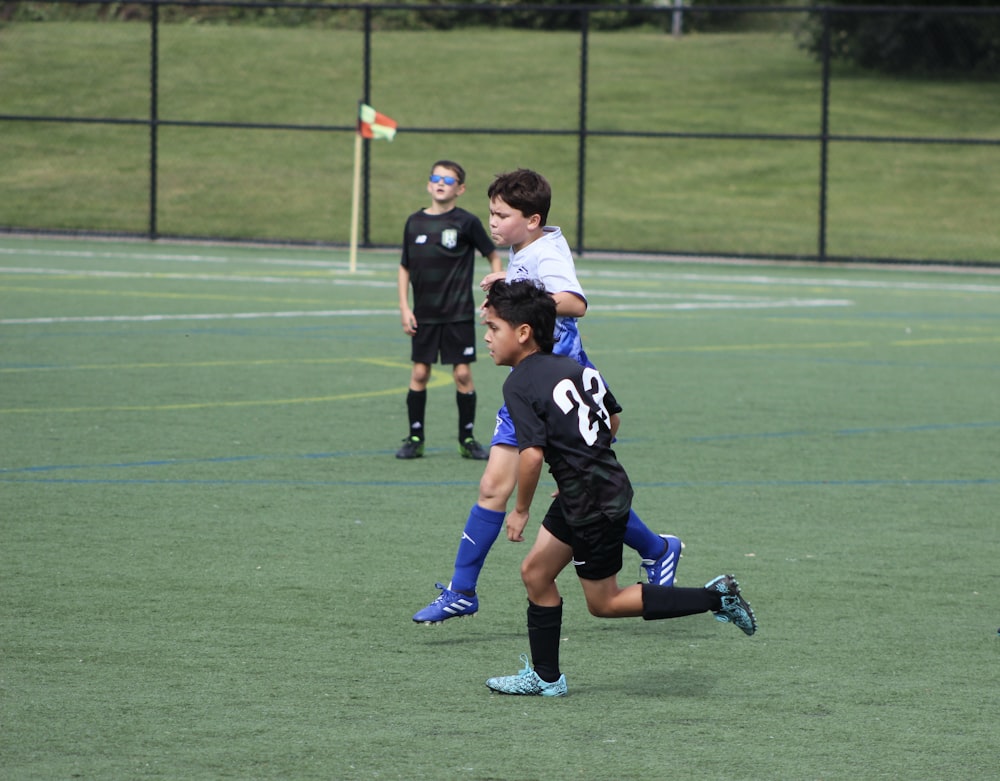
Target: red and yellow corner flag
(371,124)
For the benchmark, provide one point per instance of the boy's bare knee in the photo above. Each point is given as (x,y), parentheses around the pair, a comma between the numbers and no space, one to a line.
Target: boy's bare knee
(495,487)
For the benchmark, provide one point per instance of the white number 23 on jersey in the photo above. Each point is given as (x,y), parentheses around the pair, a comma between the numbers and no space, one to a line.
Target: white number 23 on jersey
(568,398)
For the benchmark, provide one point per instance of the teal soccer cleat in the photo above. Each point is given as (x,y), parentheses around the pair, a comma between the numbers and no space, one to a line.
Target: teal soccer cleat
(735,609)
(527,682)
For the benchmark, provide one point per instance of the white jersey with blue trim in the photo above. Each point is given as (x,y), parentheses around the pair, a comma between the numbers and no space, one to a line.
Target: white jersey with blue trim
(548,260)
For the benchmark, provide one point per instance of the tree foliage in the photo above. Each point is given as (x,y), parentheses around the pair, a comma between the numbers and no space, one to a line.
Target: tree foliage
(910,40)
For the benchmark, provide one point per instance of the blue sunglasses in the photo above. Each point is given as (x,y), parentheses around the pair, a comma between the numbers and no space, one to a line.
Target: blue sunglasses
(435,178)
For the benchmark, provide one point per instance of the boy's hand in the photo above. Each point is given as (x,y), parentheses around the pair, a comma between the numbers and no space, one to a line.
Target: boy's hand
(516,522)
(409,322)
(490,278)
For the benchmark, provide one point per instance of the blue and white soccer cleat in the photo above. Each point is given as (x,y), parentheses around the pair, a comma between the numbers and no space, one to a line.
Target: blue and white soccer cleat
(735,609)
(527,682)
(662,571)
(451,604)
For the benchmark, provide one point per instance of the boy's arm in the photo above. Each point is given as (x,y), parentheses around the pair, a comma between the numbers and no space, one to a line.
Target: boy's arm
(496,263)
(529,469)
(569,304)
(405,313)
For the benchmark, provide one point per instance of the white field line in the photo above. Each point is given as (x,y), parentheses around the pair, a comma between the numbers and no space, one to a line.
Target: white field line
(327,264)
(777,303)
(757,279)
(270,280)
(199,316)
(658,301)
(609,273)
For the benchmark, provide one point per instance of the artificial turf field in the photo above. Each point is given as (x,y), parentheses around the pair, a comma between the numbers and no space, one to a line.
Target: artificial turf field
(209,556)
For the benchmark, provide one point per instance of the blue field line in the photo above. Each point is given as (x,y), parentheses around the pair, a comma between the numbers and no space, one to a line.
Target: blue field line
(683,484)
(848,432)
(213,460)
(169,462)
(856,483)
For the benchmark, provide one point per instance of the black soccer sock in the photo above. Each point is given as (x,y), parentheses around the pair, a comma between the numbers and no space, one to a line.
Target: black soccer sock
(544,628)
(466,414)
(416,405)
(672,602)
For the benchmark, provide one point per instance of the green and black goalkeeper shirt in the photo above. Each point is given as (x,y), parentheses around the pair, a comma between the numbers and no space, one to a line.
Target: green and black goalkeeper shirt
(439,251)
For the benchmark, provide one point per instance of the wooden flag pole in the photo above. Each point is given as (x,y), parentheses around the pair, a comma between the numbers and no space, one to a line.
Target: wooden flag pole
(355,201)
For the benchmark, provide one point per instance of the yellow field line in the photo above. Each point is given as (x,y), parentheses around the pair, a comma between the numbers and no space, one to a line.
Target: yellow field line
(158,294)
(401,392)
(744,347)
(384,362)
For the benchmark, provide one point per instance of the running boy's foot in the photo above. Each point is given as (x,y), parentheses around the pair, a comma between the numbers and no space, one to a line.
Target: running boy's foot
(469,448)
(528,682)
(735,609)
(413,447)
(662,571)
(451,604)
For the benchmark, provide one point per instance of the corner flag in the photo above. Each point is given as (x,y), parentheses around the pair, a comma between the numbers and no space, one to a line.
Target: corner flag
(371,124)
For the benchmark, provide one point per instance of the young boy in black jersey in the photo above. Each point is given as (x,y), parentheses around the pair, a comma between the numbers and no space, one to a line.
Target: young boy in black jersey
(566,416)
(439,256)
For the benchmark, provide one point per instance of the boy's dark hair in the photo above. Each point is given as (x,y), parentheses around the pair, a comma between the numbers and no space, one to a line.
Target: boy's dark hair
(459,171)
(524,301)
(525,190)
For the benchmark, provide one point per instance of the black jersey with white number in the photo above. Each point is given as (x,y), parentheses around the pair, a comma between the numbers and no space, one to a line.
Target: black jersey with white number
(562,407)
(439,250)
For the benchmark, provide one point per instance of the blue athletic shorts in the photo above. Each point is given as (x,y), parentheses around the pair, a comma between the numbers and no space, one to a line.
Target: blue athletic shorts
(504,434)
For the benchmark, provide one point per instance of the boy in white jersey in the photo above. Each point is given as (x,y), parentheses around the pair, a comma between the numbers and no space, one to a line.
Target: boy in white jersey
(519,208)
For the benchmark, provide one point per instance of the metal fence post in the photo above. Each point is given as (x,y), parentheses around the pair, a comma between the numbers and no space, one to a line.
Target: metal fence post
(824,136)
(154,113)
(581,167)
(366,166)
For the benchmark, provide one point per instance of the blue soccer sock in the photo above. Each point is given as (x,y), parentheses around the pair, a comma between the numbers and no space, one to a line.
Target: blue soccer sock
(481,530)
(644,540)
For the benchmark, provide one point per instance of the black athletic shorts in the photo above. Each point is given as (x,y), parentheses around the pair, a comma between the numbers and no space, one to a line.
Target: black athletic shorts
(597,547)
(455,342)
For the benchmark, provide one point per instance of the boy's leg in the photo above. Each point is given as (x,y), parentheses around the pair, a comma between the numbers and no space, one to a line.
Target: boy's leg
(720,596)
(597,554)
(458,348)
(482,527)
(605,599)
(416,408)
(659,603)
(638,536)
(466,403)
(544,630)
(547,557)
(660,553)
(465,399)
(486,517)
